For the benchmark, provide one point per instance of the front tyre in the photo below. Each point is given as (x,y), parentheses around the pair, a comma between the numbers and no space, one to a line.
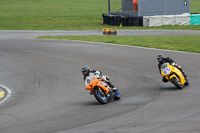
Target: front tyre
(100,95)
(177,83)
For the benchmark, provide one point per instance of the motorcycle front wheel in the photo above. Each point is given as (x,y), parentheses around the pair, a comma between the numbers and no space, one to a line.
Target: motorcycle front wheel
(100,95)
(177,83)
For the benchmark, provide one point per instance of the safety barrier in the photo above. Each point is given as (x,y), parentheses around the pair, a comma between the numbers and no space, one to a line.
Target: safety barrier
(160,20)
(149,21)
(121,20)
(195,19)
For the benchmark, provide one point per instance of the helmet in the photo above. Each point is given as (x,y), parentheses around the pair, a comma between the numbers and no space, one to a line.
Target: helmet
(160,57)
(85,70)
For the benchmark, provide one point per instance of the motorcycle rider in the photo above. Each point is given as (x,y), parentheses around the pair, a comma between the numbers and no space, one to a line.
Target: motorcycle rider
(90,74)
(161,59)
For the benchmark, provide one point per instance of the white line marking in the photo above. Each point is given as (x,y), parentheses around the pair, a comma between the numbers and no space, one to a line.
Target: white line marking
(120,45)
(7,95)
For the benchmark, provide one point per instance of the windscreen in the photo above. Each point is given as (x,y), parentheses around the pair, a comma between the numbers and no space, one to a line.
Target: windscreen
(164,66)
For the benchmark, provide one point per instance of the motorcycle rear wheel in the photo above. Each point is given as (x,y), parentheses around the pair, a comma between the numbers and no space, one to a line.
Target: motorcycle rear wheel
(177,83)
(117,95)
(187,83)
(100,95)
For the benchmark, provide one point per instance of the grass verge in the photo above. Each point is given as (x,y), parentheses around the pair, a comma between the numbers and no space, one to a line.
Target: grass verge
(186,43)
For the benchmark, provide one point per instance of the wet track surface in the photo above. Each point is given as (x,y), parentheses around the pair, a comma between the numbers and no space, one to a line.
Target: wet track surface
(48,92)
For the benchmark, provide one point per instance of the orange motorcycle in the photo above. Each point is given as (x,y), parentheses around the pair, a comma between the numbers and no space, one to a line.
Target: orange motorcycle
(101,90)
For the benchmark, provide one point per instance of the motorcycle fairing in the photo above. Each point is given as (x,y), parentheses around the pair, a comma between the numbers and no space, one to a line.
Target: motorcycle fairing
(96,83)
(168,71)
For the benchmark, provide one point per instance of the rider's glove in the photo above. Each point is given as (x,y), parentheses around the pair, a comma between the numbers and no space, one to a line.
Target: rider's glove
(105,78)
(174,64)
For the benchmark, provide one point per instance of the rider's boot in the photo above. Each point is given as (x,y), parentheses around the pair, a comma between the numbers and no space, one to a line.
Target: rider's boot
(112,86)
(111,90)
(184,74)
(90,92)
(164,80)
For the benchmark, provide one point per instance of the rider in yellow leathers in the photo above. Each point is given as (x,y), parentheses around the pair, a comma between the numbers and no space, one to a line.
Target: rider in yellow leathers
(161,59)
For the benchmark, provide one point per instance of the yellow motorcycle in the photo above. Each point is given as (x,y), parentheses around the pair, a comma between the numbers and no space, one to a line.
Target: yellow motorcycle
(174,75)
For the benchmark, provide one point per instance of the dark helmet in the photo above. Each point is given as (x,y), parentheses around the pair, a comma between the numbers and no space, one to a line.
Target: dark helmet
(85,70)
(160,57)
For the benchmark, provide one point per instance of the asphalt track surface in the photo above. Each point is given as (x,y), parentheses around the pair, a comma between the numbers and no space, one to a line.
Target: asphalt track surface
(48,92)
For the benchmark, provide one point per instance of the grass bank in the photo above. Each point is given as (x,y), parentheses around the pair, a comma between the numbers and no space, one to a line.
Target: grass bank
(186,43)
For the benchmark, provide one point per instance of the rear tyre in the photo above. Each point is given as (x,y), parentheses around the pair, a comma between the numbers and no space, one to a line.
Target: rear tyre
(100,95)
(177,83)
(187,82)
(117,95)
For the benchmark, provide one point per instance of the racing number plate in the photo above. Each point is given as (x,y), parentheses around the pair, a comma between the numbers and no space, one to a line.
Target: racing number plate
(167,71)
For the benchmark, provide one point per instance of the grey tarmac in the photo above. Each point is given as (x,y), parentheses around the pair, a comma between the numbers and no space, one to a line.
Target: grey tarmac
(48,92)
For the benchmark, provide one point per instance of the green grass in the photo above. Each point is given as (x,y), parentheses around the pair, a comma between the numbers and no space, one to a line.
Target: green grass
(64,15)
(186,43)
(51,14)
(194,6)
(86,15)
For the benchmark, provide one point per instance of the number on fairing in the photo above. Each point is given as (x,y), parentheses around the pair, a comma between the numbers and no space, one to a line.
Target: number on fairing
(167,71)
